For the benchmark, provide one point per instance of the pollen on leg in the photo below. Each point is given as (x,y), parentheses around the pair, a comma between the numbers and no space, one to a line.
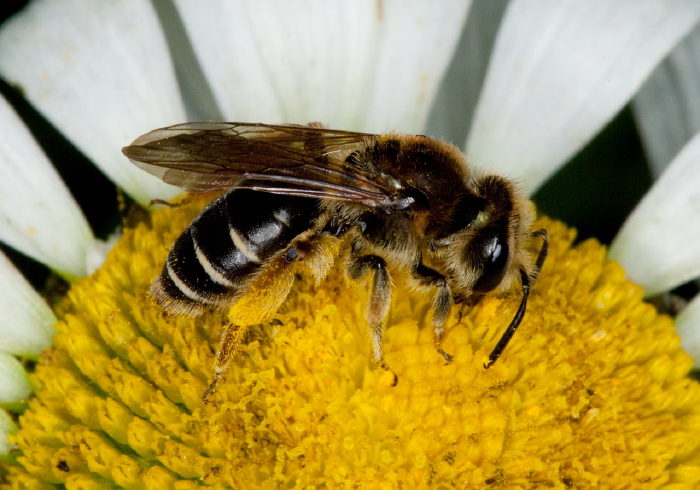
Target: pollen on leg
(231,339)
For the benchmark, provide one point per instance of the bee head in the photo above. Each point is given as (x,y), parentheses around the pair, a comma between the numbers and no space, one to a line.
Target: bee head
(483,255)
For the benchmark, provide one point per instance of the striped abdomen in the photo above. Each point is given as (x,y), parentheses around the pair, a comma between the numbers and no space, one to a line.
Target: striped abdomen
(228,242)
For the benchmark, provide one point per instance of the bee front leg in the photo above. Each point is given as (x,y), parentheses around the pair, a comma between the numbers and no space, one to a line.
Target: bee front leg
(442,303)
(379,301)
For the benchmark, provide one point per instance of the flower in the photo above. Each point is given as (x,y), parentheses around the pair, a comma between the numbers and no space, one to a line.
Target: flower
(582,398)
(570,88)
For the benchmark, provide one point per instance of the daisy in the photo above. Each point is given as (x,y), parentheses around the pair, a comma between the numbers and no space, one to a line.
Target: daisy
(593,390)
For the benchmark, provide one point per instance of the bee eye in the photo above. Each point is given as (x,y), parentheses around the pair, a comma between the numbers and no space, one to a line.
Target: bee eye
(494,255)
(461,215)
(465,212)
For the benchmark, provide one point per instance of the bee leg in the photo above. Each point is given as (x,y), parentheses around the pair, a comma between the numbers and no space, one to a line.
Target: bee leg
(168,204)
(231,339)
(460,313)
(544,235)
(262,299)
(379,301)
(442,303)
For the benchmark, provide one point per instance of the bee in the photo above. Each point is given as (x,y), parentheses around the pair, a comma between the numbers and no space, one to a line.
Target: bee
(299,198)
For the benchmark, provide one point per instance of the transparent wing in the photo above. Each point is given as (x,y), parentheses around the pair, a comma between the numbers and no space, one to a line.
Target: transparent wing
(283,159)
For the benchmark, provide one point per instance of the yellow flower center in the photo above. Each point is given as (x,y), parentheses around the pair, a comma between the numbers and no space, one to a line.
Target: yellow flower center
(591,392)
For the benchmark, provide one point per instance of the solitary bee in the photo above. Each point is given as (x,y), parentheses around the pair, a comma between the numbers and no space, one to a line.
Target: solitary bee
(299,197)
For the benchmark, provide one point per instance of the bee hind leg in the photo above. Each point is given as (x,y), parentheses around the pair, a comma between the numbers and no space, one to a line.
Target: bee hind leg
(231,339)
(379,301)
(261,300)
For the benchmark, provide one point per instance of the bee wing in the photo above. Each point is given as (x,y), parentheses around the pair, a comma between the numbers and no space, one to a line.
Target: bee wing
(283,159)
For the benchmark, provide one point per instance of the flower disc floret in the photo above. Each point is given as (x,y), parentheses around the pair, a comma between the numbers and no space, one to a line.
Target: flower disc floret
(592,392)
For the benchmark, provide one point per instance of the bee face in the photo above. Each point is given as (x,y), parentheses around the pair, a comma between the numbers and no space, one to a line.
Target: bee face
(299,197)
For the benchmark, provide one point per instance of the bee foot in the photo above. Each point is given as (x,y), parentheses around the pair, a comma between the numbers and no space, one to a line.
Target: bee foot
(211,388)
(386,368)
(449,358)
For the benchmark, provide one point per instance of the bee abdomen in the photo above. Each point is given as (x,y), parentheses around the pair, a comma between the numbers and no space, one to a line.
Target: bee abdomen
(215,257)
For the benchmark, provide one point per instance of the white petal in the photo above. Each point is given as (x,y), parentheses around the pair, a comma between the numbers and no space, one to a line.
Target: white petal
(7,427)
(100,72)
(450,117)
(667,107)
(688,326)
(561,69)
(14,380)
(38,216)
(658,244)
(26,322)
(251,51)
(352,65)
(418,40)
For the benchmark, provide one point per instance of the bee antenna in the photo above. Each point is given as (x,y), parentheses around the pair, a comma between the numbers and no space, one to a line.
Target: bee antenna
(527,280)
(508,334)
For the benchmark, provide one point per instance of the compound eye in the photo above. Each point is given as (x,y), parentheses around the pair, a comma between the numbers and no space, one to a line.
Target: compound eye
(495,258)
